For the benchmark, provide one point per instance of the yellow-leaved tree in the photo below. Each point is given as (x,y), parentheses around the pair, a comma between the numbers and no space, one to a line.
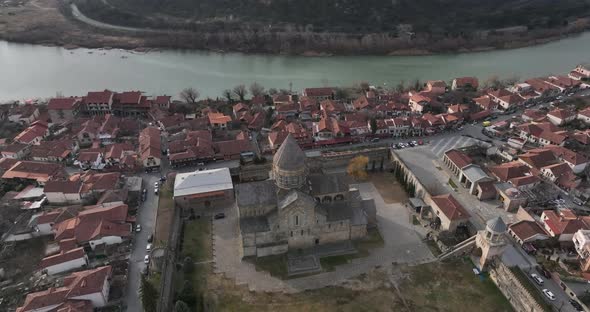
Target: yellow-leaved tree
(356,167)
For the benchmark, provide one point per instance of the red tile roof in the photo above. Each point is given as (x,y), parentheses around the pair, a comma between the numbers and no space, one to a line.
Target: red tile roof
(509,170)
(128,97)
(63,257)
(525,230)
(560,225)
(465,81)
(66,187)
(99,97)
(40,171)
(218,118)
(561,113)
(95,222)
(316,92)
(525,180)
(459,158)
(63,103)
(450,207)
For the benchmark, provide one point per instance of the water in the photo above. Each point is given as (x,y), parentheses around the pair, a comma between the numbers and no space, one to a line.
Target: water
(30,71)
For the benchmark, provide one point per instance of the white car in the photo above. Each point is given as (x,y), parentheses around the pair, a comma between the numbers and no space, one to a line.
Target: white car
(138,228)
(537,279)
(156,184)
(148,247)
(549,294)
(146,259)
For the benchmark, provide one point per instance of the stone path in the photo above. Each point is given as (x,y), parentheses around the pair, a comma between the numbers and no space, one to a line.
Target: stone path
(403,244)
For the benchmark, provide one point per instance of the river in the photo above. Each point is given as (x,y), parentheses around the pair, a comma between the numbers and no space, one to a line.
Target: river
(31,71)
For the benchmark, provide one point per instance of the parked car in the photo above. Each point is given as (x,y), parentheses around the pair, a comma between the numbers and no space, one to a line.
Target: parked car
(544,271)
(138,228)
(537,279)
(162,179)
(156,191)
(373,140)
(218,216)
(151,238)
(148,248)
(576,305)
(548,294)
(146,259)
(200,164)
(420,142)
(156,184)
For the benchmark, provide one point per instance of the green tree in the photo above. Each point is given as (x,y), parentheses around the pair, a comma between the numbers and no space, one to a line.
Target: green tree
(181,306)
(187,294)
(148,294)
(373,124)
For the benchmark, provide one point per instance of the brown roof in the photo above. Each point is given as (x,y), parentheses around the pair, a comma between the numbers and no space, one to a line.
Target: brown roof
(232,147)
(509,170)
(75,285)
(450,207)
(150,143)
(319,92)
(99,97)
(128,97)
(40,171)
(95,222)
(526,229)
(13,148)
(62,103)
(62,257)
(561,113)
(66,187)
(459,158)
(7,163)
(464,81)
(538,158)
(525,180)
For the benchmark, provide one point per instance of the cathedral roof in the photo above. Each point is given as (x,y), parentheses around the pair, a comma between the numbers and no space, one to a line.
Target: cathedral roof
(289,156)
(496,225)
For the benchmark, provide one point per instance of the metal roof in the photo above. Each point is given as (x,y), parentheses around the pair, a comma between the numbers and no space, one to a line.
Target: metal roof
(474,173)
(202,182)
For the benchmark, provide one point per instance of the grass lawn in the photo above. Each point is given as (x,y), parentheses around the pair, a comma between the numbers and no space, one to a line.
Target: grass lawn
(274,265)
(197,240)
(428,287)
(388,187)
(165,215)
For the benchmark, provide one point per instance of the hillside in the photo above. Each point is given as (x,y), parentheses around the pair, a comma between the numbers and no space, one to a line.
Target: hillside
(428,20)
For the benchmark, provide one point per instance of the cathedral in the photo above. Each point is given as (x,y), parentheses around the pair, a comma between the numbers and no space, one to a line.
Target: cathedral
(297,209)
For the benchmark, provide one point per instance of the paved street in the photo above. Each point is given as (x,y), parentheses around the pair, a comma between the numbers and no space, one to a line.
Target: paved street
(403,244)
(146,216)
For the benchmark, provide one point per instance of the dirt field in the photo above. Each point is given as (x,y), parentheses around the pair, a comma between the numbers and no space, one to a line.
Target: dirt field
(388,187)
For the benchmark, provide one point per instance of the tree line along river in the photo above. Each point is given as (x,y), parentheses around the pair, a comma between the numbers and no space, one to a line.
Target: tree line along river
(31,71)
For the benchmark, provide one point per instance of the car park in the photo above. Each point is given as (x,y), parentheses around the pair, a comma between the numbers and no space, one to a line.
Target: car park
(146,259)
(138,228)
(537,279)
(548,294)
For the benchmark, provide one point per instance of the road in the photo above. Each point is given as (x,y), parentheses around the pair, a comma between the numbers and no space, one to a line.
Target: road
(561,302)
(146,216)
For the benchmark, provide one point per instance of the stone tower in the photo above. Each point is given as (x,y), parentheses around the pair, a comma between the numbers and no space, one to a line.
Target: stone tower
(288,167)
(491,240)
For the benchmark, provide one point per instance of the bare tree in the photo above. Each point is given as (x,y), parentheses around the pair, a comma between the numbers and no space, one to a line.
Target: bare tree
(256,89)
(240,91)
(228,95)
(190,95)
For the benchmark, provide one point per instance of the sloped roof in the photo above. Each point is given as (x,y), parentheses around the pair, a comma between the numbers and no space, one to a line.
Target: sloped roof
(459,158)
(496,225)
(202,182)
(289,156)
(451,207)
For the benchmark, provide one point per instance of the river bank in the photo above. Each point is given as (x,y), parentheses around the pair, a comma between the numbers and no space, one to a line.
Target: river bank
(53,23)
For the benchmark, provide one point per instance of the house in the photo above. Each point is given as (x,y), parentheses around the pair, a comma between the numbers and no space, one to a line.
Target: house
(239,109)
(15,151)
(562,175)
(581,241)
(34,134)
(563,83)
(398,126)
(257,121)
(526,231)
(66,260)
(540,86)
(575,160)
(23,114)
(533,115)
(96,225)
(437,87)
(485,102)
(419,103)
(162,101)
(53,151)
(319,94)
(99,103)
(450,213)
(462,109)
(332,108)
(329,128)
(562,225)
(95,184)
(218,121)
(505,98)
(561,116)
(544,133)
(465,84)
(81,291)
(39,172)
(202,190)
(584,115)
(510,170)
(363,103)
(150,148)
(130,103)
(63,109)
(43,222)
(63,192)
(231,149)
(90,160)
(581,72)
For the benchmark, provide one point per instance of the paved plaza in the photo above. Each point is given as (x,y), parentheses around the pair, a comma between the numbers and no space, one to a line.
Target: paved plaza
(402,244)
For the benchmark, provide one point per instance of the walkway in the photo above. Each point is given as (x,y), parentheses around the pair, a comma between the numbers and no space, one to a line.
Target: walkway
(87,20)
(402,245)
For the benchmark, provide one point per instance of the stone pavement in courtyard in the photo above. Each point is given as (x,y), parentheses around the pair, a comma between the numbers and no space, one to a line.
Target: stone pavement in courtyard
(403,244)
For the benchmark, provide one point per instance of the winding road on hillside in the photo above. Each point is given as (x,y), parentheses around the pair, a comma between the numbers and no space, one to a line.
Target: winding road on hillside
(87,20)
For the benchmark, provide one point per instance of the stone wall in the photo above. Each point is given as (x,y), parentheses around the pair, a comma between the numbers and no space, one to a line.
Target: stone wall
(331,160)
(252,172)
(518,296)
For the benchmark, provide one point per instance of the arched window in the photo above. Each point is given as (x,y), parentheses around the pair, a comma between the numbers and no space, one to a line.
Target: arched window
(296,220)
